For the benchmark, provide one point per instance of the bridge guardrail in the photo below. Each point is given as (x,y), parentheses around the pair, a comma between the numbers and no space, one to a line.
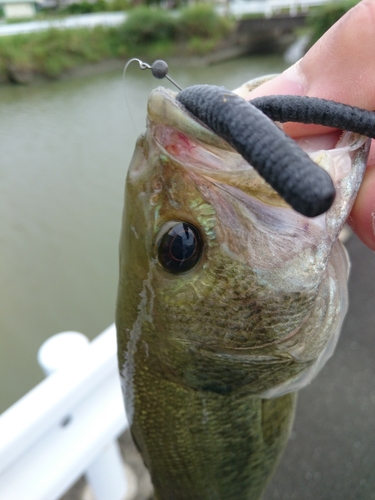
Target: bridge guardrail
(65,427)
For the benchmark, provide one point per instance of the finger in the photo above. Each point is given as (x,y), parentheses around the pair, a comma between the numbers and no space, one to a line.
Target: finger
(362,217)
(340,66)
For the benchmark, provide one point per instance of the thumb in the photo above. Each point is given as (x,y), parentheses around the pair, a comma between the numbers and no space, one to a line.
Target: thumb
(340,67)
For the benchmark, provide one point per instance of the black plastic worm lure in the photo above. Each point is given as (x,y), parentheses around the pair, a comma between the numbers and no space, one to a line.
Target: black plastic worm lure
(294,108)
(249,129)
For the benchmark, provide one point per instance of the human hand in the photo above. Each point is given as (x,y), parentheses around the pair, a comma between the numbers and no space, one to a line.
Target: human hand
(340,67)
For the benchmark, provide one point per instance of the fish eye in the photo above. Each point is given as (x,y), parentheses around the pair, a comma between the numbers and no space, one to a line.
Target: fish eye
(180,248)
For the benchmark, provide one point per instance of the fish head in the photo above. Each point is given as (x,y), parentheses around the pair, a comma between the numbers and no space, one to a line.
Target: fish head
(223,286)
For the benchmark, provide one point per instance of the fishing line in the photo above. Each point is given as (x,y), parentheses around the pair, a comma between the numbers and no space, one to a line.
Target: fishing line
(142,66)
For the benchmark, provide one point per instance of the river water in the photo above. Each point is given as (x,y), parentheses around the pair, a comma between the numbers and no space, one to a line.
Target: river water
(65,148)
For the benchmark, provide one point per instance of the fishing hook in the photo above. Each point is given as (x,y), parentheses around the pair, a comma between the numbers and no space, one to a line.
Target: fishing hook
(158,68)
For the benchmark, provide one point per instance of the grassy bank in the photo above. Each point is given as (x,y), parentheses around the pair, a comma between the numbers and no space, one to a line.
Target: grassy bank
(153,33)
(50,53)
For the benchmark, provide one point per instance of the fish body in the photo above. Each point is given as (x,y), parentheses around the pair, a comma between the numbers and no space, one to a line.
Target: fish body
(211,355)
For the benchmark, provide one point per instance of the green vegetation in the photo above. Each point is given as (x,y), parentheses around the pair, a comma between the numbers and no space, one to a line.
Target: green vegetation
(146,32)
(49,53)
(201,21)
(146,27)
(322,18)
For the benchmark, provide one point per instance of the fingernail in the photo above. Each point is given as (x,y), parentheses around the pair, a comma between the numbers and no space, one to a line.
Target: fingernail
(295,80)
(291,81)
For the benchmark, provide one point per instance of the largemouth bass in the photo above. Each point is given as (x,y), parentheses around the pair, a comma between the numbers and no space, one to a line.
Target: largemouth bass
(229,302)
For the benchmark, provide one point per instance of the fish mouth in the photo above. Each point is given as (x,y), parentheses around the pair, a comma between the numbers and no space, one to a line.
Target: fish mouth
(200,151)
(204,155)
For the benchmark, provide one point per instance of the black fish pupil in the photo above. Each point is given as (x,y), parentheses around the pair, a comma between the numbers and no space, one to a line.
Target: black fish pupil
(182,245)
(180,248)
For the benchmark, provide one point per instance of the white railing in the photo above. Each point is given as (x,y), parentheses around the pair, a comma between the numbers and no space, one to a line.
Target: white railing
(274,6)
(269,7)
(77,21)
(67,425)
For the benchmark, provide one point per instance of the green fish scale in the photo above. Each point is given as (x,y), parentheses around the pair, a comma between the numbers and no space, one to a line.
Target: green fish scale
(229,304)
(208,446)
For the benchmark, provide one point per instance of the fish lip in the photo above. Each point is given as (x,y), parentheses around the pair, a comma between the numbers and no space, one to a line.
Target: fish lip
(164,109)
